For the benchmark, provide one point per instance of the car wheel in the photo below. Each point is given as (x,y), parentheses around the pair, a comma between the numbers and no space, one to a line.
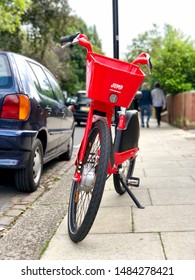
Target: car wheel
(28,179)
(68,154)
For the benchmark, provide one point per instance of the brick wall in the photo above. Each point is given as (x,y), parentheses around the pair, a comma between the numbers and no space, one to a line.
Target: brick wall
(181,110)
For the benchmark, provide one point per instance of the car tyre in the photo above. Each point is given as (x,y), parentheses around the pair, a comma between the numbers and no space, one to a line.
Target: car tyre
(28,179)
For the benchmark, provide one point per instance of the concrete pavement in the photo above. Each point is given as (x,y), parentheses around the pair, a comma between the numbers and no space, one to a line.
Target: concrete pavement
(165,229)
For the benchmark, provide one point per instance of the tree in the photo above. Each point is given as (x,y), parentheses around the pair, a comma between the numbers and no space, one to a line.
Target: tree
(76,64)
(173,58)
(11,12)
(11,41)
(46,21)
(38,37)
(175,62)
(148,42)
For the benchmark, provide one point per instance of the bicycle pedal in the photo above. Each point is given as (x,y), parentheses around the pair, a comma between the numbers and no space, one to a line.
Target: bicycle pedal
(133,181)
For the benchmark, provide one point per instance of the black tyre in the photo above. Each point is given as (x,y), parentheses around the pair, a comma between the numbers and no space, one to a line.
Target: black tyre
(68,154)
(86,196)
(28,179)
(126,171)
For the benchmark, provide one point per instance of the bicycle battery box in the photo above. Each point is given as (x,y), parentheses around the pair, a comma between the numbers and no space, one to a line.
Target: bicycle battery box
(128,138)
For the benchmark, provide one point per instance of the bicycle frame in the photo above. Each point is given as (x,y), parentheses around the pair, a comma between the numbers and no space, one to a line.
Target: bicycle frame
(104,111)
(119,158)
(110,83)
(94,107)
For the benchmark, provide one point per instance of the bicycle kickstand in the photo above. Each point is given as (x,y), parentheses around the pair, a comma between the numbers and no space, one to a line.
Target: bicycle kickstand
(138,204)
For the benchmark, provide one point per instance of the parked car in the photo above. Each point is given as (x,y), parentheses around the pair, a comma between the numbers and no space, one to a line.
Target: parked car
(35,124)
(80,106)
(71,100)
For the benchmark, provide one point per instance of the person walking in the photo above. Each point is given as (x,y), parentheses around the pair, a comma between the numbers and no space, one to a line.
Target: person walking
(144,104)
(158,101)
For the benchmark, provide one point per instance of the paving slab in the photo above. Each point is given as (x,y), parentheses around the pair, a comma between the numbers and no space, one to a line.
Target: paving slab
(172,196)
(187,163)
(165,172)
(159,164)
(112,199)
(168,182)
(110,246)
(113,220)
(159,156)
(164,218)
(179,245)
(165,228)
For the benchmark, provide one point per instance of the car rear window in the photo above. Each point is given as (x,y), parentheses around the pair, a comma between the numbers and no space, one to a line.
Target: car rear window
(6,80)
(84,99)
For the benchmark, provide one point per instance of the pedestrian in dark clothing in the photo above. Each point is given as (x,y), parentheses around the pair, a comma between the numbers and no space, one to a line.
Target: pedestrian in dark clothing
(144,104)
(158,101)
(135,104)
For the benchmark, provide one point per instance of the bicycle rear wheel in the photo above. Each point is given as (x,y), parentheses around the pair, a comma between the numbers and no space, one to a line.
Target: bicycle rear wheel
(86,196)
(125,171)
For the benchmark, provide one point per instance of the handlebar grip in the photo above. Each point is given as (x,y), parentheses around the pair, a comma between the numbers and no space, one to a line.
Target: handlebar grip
(69,38)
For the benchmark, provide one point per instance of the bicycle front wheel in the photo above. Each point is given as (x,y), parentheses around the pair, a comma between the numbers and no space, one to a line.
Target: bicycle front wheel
(86,195)
(125,170)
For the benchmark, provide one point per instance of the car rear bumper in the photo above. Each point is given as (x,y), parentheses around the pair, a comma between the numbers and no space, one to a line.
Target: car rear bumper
(15,148)
(13,159)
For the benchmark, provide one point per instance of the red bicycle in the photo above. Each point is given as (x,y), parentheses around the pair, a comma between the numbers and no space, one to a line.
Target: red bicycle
(110,83)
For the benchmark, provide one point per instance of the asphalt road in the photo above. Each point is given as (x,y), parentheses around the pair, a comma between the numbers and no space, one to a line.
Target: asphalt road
(78,134)
(7,188)
(28,221)
(14,203)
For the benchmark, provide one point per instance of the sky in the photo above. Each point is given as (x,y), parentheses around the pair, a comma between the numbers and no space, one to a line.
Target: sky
(134,18)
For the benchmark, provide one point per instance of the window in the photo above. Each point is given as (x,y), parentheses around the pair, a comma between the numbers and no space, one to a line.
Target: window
(34,78)
(6,80)
(41,81)
(56,88)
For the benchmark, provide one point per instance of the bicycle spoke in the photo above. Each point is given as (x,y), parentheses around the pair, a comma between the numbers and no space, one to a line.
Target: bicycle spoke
(86,195)
(82,207)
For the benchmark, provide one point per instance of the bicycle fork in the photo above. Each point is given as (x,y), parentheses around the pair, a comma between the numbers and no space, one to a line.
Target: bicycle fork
(92,117)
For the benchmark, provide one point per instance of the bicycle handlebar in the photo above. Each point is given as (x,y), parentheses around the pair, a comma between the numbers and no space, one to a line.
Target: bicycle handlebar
(82,40)
(74,39)
(69,38)
(144,59)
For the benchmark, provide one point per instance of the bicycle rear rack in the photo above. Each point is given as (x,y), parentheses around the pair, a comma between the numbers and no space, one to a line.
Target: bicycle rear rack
(132,180)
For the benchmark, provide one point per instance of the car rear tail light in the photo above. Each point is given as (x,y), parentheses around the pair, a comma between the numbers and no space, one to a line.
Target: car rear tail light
(15,106)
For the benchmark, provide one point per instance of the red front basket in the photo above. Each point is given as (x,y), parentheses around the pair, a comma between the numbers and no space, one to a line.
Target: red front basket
(111,80)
